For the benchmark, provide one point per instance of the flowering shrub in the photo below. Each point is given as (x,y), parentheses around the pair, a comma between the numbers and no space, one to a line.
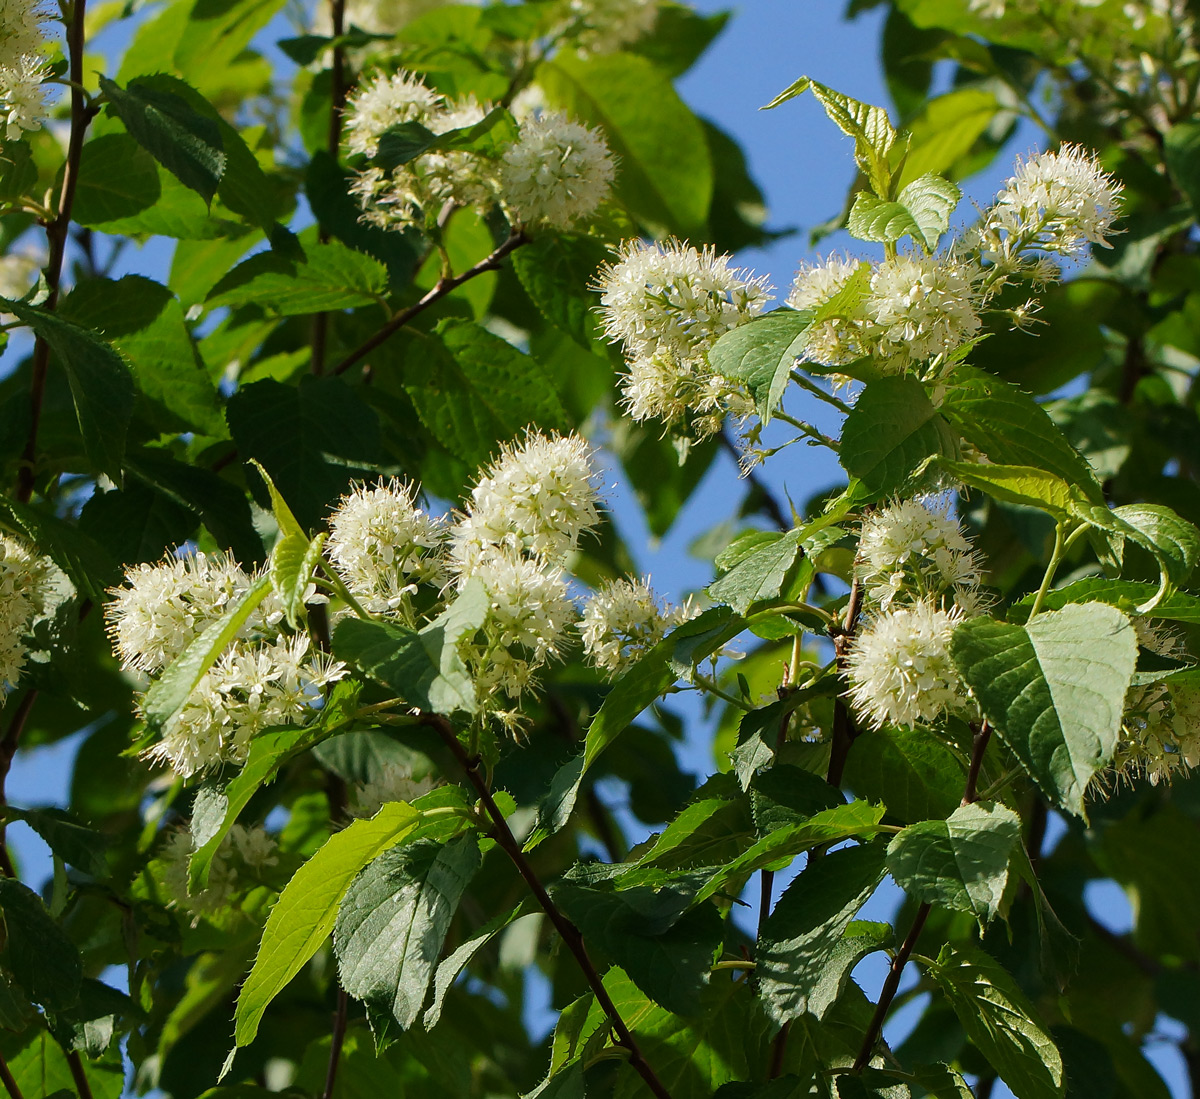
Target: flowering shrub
(307,543)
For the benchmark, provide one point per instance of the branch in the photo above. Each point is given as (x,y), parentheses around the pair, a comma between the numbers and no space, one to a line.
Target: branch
(335,1047)
(56,238)
(444,287)
(845,729)
(77,1072)
(8,749)
(979,746)
(337,104)
(9,1082)
(567,930)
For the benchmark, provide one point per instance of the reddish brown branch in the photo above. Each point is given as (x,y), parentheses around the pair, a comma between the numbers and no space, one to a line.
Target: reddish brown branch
(569,933)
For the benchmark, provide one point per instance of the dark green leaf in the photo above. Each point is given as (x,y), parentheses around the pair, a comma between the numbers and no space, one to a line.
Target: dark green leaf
(89,565)
(910,770)
(1054,690)
(73,842)
(392,923)
(557,273)
(43,960)
(186,143)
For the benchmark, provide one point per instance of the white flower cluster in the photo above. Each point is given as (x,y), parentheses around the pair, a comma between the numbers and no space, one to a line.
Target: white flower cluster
(23,96)
(916,309)
(605,26)
(909,551)
(24,581)
(1161,733)
(900,668)
(556,174)
(397,198)
(1057,202)
(263,679)
(623,620)
(666,304)
(525,516)
(394,782)
(243,853)
(383,546)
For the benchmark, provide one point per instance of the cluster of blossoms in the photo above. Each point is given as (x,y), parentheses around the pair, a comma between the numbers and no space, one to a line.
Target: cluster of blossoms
(24,586)
(265,678)
(605,26)
(667,304)
(1160,733)
(524,518)
(920,576)
(920,309)
(23,96)
(556,174)
(244,854)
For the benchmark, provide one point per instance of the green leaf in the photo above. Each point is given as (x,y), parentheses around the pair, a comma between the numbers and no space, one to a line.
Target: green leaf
(666,173)
(861,937)
(73,842)
(1011,428)
(960,862)
(946,131)
(392,923)
(690,643)
(401,143)
(910,770)
(186,143)
(1181,150)
(1174,542)
(331,277)
(714,827)
(43,960)
(40,1069)
(421,666)
(1024,485)
(294,556)
(473,391)
(873,133)
(761,354)
(91,568)
(170,691)
(1054,690)
(18,172)
(1001,1022)
(557,272)
(760,576)
(101,384)
(453,964)
(304,915)
(922,211)
(808,924)
(314,440)
(891,432)
(1128,595)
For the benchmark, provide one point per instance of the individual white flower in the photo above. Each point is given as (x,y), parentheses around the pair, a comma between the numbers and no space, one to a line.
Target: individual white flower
(538,497)
(838,340)
(24,585)
(1056,202)
(900,669)
(384,102)
(382,545)
(557,173)
(18,272)
(528,616)
(921,307)
(909,551)
(242,849)
(623,620)
(606,26)
(162,608)
(23,95)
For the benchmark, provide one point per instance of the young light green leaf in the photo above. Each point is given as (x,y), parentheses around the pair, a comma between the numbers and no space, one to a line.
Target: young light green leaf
(761,353)
(960,862)
(170,691)
(186,143)
(304,915)
(1025,485)
(1054,690)
(921,211)
(45,963)
(392,923)
(808,924)
(1001,1022)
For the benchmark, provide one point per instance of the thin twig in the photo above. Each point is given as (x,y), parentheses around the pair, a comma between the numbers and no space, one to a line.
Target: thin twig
(78,1075)
(10,1082)
(569,933)
(8,750)
(443,287)
(335,1047)
(56,238)
(845,729)
(982,734)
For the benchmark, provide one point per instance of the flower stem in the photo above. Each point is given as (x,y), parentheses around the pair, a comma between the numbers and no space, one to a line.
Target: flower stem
(1051,569)
(819,393)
